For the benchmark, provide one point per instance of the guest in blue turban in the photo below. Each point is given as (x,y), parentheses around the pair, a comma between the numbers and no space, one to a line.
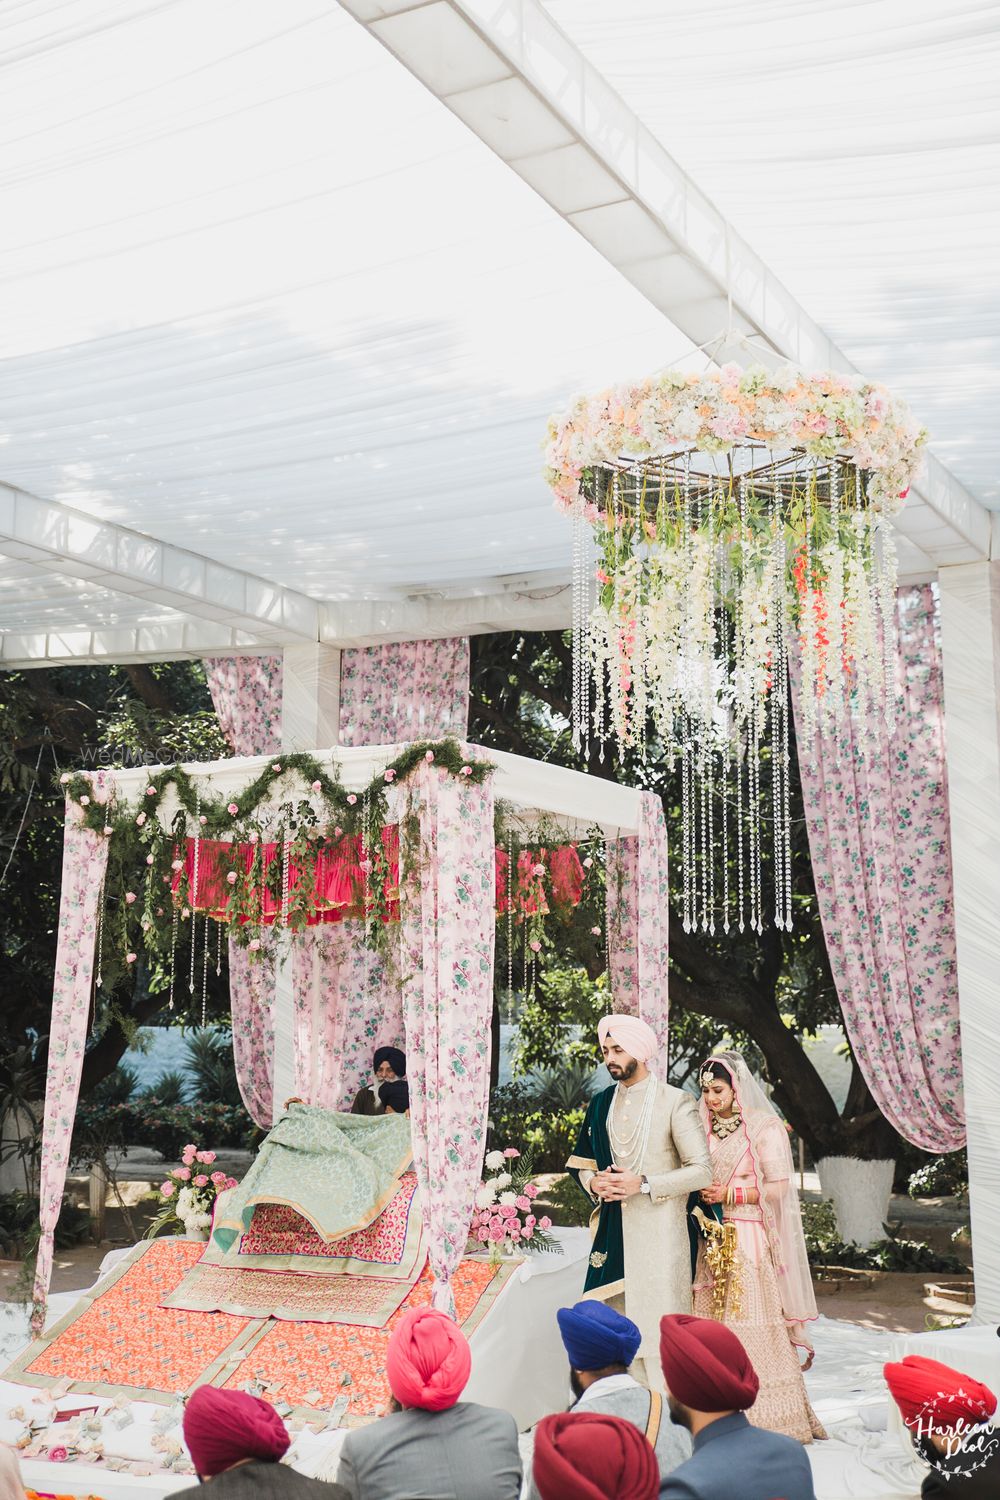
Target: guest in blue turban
(601,1344)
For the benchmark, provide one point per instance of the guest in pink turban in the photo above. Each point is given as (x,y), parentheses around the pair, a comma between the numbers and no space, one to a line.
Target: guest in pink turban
(431,1443)
(237,1442)
(641,1151)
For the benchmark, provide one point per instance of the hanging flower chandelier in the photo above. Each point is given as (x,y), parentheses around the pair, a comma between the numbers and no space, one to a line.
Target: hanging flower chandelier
(727,525)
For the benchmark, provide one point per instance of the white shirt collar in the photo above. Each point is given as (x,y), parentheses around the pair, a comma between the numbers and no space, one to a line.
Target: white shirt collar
(606,1385)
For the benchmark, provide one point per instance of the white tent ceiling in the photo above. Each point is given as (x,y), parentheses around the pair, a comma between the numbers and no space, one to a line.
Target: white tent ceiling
(265,299)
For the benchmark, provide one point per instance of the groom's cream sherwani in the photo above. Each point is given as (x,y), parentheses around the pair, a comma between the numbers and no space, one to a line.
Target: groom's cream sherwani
(656,1251)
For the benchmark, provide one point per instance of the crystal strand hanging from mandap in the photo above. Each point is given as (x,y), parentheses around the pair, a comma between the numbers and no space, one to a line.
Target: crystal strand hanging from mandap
(740,522)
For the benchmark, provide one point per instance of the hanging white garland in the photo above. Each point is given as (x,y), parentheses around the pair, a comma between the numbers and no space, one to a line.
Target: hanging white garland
(726,519)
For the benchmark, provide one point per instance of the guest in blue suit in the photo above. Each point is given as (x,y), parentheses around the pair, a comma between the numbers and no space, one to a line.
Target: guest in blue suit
(710,1384)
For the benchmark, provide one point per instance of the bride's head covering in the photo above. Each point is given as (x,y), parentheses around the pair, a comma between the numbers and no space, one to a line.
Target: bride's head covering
(774,1177)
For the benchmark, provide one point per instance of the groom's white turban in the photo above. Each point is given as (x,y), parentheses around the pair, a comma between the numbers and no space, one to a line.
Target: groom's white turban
(638,1039)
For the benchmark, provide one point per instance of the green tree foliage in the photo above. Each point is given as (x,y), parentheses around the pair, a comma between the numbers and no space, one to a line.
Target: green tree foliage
(71,718)
(766,992)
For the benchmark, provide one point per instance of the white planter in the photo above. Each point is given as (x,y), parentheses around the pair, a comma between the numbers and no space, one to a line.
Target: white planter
(860,1193)
(196,1234)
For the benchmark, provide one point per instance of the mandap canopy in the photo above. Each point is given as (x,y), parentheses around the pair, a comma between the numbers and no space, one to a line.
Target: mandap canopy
(360,889)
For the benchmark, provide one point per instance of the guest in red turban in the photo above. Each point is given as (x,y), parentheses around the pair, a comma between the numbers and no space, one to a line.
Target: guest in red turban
(430,1441)
(593,1456)
(711,1382)
(948,1415)
(236,1443)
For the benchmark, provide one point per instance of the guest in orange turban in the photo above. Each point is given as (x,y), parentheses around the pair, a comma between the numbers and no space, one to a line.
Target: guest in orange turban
(427,1361)
(431,1443)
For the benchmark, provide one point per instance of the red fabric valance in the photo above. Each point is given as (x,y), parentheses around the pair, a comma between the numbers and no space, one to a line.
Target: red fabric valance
(337,879)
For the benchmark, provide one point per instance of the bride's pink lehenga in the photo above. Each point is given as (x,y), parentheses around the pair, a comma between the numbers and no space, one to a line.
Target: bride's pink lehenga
(754,1309)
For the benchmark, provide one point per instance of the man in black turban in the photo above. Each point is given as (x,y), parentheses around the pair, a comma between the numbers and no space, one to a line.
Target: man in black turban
(388,1066)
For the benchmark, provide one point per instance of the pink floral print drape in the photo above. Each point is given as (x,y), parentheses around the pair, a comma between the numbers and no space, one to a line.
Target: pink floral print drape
(877,817)
(447,934)
(638,917)
(346,1005)
(407,690)
(246,692)
(85,859)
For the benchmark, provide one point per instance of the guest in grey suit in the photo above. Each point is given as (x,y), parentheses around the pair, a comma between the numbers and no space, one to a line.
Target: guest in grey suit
(711,1384)
(431,1446)
(601,1344)
(236,1443)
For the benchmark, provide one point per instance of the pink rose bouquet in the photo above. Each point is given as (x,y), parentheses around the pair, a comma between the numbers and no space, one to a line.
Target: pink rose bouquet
(188,1196)
(502,1221)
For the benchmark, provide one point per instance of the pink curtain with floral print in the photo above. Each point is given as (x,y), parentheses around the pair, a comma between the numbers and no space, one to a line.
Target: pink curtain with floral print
(85,859)
(448,892)
(246,692)
(877,817)
(345,1007)
(638,917)
(407,690)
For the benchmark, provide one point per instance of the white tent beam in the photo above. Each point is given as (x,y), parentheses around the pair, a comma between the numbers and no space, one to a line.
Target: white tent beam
(179,639)
(51,535)
(509,72)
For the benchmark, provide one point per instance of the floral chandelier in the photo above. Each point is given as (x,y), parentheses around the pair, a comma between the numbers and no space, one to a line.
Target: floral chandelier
(730,527)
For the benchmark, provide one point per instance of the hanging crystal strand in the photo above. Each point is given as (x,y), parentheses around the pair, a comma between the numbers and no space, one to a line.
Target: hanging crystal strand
(204,968)
(195,890)
(774,710)
(578,650)
(687,823)
(100,935)
(710,846)
(754,794)
(218,948)
(726,746)
(285,847)
(887,615)
(781,704)
(703,825)
(863,644)
(173,950)
(738,768)
(510,919)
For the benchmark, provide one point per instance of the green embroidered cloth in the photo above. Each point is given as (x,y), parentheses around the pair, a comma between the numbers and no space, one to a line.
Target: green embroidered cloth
(338,1171)
(606,1268)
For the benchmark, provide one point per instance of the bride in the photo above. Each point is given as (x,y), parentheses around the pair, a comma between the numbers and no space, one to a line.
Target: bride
(767,1297)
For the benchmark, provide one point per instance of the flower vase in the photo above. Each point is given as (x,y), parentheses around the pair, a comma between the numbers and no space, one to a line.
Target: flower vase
(195,1234)
(501,1252)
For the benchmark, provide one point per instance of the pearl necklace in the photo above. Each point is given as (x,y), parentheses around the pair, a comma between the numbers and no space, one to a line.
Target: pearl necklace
(726,1125)
(629,1150)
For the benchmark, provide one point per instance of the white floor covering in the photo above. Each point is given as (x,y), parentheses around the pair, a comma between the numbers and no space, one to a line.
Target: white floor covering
(862,1460)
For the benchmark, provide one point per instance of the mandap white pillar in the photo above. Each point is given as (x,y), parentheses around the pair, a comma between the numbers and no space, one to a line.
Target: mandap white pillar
(310,720)
(970,639)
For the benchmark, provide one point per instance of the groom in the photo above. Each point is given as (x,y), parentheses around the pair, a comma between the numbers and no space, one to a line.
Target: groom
(641,1151)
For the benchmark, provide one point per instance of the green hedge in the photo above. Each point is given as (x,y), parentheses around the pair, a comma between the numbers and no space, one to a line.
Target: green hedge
(166,1128)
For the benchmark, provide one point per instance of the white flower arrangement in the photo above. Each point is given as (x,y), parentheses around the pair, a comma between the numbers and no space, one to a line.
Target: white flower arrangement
(188,1195)
(503,1220)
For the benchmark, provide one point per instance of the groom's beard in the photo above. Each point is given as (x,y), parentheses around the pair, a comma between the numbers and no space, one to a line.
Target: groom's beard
(623,1074)
(575,1383)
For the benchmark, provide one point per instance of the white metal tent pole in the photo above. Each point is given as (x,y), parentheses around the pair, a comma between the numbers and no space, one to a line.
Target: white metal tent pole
(970,639)
(310,720)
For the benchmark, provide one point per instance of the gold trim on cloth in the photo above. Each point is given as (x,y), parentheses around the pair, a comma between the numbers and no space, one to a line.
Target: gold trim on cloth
(582,1164)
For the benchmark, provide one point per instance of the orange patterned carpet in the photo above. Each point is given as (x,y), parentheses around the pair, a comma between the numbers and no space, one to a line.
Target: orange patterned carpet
(122,1342)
